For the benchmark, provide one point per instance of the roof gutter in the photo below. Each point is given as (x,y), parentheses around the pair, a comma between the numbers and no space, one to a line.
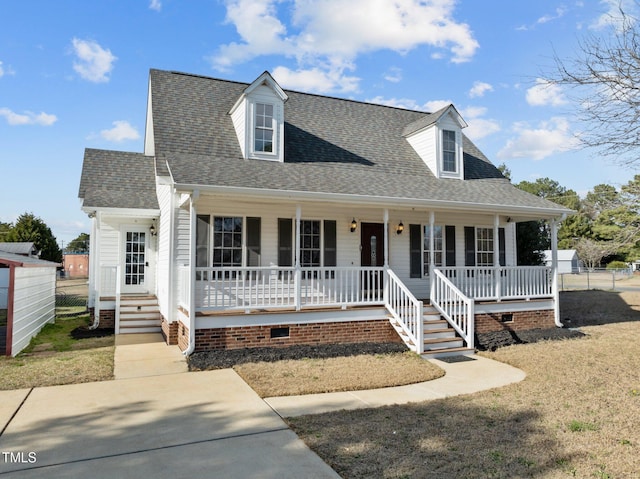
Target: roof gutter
(386,201)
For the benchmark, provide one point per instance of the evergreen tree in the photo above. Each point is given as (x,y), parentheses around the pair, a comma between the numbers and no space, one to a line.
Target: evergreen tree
(28,227)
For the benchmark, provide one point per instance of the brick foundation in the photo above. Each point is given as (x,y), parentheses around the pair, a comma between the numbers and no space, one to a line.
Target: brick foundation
(182,336)
(522,320)
(377,331)
(170,331)
(107,318)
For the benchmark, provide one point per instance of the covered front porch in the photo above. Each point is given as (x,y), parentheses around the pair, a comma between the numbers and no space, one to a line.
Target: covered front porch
(305,257)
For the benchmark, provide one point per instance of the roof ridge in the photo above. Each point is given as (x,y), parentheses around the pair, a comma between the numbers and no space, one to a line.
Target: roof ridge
(237,82)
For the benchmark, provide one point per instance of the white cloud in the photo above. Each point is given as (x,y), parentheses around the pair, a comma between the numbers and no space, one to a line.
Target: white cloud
(478,127)
(333,33)
(406,103)
(121,131)
(479,89)
(316,80)
(545,94)
(5,70)
(560,11)
(393,75)
(155,5)
(94,63)
(613,17)
(553,136)
(28,118)
(435,105)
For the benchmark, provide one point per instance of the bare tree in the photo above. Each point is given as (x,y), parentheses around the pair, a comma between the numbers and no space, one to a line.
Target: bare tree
(603,80)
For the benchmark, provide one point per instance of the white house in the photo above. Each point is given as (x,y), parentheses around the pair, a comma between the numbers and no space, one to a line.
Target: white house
(568,261)
(262,217)
(27,299)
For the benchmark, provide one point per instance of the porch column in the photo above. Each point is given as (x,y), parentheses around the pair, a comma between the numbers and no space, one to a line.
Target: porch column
(386,237)
(554,272)
(496,255)
(298,272)
(432,243)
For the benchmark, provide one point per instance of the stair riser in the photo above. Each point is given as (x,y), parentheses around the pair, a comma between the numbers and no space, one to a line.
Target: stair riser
(449,334)
(443,345)
(429,325)
(140,324)
(139,302)
(140,330)
(143,309)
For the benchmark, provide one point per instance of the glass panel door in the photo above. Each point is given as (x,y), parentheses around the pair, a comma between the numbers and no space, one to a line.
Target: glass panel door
(135,262)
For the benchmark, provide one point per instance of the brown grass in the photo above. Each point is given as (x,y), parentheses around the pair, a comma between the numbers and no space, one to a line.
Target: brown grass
(310,376)
(52,368)
(575,415)
(55,357)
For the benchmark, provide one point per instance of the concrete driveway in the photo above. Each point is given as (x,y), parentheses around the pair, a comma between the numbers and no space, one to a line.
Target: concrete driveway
(195,425)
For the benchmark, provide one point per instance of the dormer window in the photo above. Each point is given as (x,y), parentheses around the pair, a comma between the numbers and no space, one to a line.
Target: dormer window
(449,156)
(263,142)
(437,138)
(258,118)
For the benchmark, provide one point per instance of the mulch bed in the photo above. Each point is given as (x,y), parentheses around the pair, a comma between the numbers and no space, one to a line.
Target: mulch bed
(83,333)
(227,358)
(499,339)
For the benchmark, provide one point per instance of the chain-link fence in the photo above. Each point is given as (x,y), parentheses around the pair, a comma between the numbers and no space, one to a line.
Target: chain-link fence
(71,296)
(594,279)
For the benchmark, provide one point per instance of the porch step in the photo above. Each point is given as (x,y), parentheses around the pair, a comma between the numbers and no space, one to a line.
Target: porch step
(440,339)
(139,314)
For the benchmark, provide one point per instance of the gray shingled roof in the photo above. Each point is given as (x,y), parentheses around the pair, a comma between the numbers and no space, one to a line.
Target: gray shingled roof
(331,146)
(25,260)
(118,179)
(19,247)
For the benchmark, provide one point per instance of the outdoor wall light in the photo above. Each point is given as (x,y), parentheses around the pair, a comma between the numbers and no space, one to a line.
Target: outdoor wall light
(400,228)
(354,225)
(152,229)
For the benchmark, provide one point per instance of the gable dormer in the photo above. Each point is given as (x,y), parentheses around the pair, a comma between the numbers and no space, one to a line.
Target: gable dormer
(258,118)
(437,138)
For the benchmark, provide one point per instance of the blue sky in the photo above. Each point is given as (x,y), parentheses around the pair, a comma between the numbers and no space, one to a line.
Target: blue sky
(73,74)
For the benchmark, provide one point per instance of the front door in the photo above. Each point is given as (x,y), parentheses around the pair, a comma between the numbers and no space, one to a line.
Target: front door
(372,254)
(137,271)
(372,244)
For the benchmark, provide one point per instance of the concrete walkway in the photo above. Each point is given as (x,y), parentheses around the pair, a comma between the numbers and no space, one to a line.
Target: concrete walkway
(144,355)
(464,377)
(156,421)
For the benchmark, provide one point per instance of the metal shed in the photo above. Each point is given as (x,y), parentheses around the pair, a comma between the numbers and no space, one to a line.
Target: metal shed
(27,299)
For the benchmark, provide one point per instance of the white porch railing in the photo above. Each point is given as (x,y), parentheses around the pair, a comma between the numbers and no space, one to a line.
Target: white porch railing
(406,309)
(274,287)
(454,306)
(501,283)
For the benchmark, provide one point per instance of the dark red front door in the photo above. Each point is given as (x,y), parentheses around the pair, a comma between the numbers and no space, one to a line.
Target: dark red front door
(372,244)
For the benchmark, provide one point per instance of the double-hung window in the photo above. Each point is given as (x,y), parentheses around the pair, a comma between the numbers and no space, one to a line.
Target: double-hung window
(264,131)
(318,243)
(484,247)
(438,247)
(449,156)
(236,242)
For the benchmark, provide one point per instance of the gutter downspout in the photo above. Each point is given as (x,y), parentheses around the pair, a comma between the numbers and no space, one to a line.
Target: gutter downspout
(192,276)
(94,253)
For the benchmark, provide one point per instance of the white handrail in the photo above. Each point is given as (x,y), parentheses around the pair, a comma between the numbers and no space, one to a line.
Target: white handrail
(405,309)
(454,306)
(276,287)
(501,283)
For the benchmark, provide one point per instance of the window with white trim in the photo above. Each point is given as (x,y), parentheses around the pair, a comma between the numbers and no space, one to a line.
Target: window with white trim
(449,152)
(484,247)
(310,243)
(438,247)
(264,128)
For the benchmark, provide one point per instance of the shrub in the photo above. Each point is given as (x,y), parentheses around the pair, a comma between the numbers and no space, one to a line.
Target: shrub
(617,265)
